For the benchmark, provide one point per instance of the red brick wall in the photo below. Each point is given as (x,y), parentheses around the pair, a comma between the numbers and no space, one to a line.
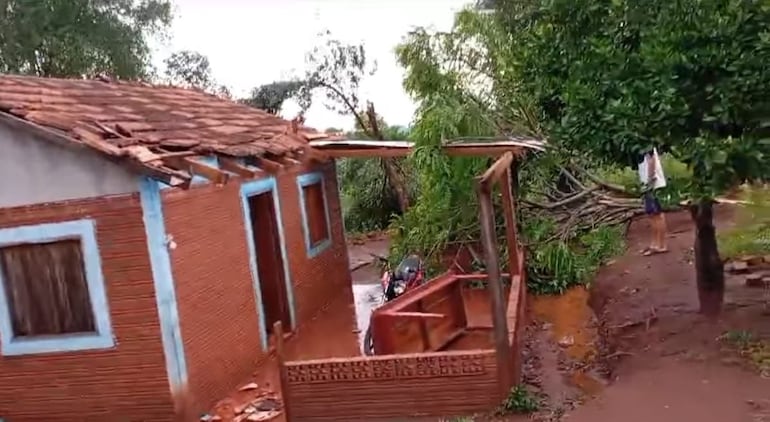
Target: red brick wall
(392,387)
(215,295)
(128,382)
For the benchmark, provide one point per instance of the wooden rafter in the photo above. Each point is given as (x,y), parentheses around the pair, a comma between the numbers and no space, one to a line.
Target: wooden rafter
(228,164)
(312,154)
(197,168)
(289,161)
(268,165)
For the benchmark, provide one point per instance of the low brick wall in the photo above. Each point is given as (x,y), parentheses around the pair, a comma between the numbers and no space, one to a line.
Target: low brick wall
(391,387)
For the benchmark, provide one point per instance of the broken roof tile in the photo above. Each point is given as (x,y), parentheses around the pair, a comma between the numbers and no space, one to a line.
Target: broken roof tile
(117,117)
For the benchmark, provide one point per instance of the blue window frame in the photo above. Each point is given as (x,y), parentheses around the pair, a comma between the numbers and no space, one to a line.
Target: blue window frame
(102,337)
(315,213)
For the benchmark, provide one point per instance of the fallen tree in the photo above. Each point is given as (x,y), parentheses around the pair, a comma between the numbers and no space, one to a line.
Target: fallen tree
(586,204)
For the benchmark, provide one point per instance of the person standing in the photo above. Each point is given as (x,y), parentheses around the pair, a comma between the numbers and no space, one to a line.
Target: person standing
(652,178)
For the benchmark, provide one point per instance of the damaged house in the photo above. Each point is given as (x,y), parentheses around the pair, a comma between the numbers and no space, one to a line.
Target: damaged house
(150,237)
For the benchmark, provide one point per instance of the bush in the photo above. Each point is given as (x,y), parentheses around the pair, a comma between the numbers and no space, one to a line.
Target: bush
(520,400)
(555,266)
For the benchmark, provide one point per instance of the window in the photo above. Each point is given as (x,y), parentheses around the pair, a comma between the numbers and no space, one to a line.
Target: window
(315,213)
(51,289)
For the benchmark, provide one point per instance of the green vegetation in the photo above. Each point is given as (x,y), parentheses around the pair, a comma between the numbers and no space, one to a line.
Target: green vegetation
(755,350)
(751,234)
(554,267)
(441,73)
(520,400)
(612,79)
(61,38)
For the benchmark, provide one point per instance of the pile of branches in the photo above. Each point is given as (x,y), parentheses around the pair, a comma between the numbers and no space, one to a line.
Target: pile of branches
(579,202)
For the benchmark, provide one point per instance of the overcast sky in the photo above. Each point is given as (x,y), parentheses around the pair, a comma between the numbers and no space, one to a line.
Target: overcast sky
(253,42)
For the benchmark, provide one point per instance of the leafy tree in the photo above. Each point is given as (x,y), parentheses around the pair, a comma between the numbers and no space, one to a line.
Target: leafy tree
(270,97)
(58,38)
(368,202)
(614,78)
(336,69)
(441,75)
(191,69)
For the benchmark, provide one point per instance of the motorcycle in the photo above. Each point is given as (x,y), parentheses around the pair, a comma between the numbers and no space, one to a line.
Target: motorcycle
(409,274)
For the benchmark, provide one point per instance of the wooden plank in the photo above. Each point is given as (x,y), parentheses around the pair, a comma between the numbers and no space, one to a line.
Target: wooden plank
(161,155)
(495,287)
(418,315)
(509,211)
(496,171)
(196,167)
(315,155)
(269,166)
(228,164)
(450,339)
(289,161)
(451,150)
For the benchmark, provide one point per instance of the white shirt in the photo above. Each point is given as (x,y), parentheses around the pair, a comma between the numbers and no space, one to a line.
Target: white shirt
(660,178)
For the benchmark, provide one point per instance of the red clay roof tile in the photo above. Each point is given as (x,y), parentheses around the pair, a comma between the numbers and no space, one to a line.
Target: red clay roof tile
(112,116)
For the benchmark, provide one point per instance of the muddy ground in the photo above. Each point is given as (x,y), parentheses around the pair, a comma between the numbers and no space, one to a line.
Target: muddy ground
(633,347)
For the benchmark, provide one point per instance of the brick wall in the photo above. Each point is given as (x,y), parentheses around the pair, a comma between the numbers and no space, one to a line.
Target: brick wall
(215,295)
(392,387)
(127,383)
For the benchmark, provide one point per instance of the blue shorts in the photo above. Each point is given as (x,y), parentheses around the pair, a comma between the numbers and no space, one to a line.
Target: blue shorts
(651,204)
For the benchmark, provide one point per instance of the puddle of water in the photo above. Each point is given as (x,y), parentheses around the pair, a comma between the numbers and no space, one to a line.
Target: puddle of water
(571,327)
(571,320)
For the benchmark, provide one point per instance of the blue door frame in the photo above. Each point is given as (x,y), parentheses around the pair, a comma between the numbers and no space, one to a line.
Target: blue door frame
(248,190)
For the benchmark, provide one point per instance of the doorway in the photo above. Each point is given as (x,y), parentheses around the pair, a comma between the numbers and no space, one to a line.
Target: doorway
(270,266)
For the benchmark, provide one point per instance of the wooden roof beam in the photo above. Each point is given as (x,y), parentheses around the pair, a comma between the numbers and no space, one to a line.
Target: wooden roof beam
(311,154)
(268,165)
(229,164)
(197,168)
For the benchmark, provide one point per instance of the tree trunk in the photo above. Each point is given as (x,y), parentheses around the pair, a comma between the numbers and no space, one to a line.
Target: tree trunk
(709,270)
(396,182)
(395,176)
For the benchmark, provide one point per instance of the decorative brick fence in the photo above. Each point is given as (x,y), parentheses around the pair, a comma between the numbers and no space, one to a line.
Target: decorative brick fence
(387,387)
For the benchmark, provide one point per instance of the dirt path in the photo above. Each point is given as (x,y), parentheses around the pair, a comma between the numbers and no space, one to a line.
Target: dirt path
(667,362)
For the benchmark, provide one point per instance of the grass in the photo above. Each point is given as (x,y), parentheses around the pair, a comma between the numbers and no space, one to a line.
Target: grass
(755,351)
(751,234)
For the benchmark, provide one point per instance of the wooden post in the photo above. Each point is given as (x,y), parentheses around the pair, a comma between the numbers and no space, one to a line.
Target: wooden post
(510,224)
(282,371)
(495,287)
